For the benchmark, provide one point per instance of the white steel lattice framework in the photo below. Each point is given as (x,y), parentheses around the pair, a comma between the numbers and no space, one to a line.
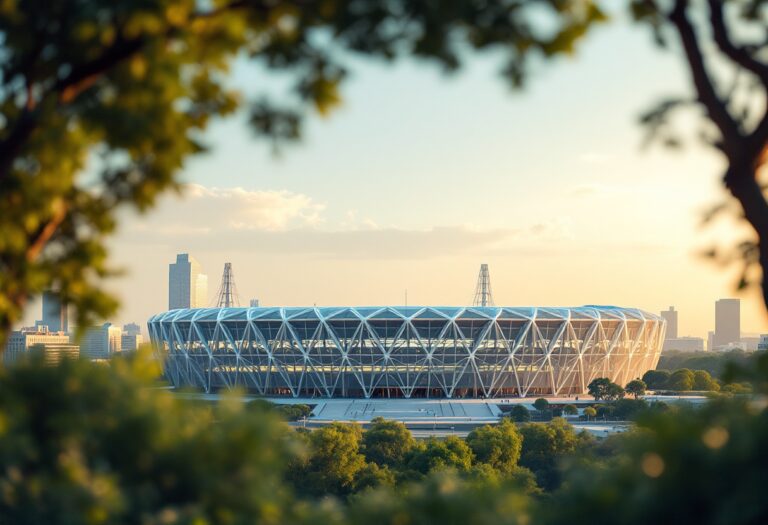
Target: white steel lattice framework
(406,351)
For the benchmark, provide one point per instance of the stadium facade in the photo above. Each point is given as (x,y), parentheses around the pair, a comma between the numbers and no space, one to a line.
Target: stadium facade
(409,352)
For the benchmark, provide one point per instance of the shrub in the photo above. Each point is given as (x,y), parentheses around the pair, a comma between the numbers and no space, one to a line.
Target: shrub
(520,414)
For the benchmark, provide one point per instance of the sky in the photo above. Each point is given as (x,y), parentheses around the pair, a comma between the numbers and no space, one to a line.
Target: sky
(419,177)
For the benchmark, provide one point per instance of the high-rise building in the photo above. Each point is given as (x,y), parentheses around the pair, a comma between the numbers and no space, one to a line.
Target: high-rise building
(727,322)
(131,339)
(23,341)
(131,329)
(671,317)
(54,313)
(187,285)
(750,343)
(684,344)
(254,303)
(130,342)
(101,342)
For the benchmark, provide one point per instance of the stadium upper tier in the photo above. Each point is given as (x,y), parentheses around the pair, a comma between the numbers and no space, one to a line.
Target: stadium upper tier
(406,351)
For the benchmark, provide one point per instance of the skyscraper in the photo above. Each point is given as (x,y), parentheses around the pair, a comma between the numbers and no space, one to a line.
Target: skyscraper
(130,342)
(131,329)
(727,322)
(54,313)
(101,342)
(671,317)
(187,285)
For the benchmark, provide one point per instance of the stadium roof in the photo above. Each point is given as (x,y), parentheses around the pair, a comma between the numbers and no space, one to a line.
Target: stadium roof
(404,312)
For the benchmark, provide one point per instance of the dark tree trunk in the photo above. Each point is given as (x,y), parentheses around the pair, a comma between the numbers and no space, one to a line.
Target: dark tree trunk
(744,186)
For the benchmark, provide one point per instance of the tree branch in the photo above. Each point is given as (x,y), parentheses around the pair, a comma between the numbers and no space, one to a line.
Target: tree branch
(723,39)
(707,95)
(85,75)
(46,232)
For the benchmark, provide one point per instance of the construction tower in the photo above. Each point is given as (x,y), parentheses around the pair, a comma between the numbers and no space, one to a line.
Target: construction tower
(483,295)
(227,294)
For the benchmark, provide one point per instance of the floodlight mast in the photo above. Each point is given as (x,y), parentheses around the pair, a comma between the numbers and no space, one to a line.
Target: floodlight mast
(227,295)
(483,294)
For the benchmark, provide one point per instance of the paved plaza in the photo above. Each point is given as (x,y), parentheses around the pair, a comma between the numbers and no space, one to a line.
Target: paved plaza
(437,417)
(406,410)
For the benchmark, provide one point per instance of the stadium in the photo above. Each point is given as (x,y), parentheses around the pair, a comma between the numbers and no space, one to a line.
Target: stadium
(405,352)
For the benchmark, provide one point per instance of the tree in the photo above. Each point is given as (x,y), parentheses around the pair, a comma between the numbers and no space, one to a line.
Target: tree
(636,388)
(499,446)
(590,413)
(373,475)
(628,409)
(570,410)
(541,404)
(734,126)
(293,412)
(441,499)
(598,388)
(656,379)
(134,84)
(544,445)
(520,414)
(737,388)
(605,411)
(694,465)
(681,380)
(387,442)
(604,388)
(703,381)
(615,392)
(335,461)
(87,443)
(434,454)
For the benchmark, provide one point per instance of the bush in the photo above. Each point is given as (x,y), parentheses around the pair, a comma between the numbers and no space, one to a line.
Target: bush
(443,498)
(703,381)
(520,414)
(737,388)
(681,380)
(705,465)
(656,379)
(628,409)
(293,412)
(87,443)
(605,411)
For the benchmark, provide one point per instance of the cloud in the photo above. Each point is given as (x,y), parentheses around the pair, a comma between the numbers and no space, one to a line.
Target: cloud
(556,229)
(202,210)
(389,243)
(293,224)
